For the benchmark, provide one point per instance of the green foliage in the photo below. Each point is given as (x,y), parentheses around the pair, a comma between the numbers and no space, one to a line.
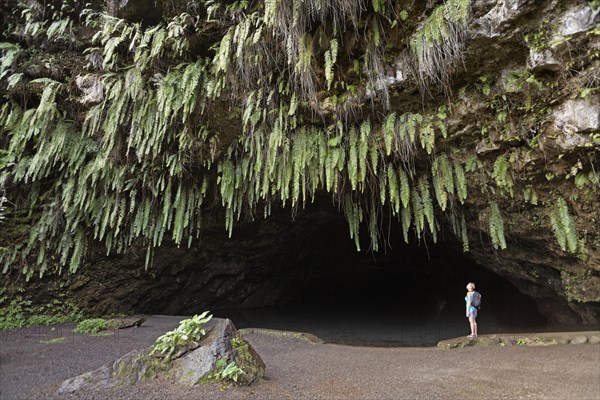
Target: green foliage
(464,235)
(530,195)
(189,330)
(12,314)
(438,45)
(537,41)
(92,325)
(461,182)
(472,164)
(502,175)
(19,312)
(231,372)
(443,180)
(521,80)
(496,227)
(563,226)
(141,165)
(587,180)
(10,52)
(330,59)
(427,205)
(224,372)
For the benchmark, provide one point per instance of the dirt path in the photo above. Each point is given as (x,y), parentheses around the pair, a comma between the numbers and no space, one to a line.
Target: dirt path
(298,369)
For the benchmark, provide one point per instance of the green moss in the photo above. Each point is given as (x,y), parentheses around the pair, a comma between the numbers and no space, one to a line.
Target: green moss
(142,367)
(92,325)
(246,360)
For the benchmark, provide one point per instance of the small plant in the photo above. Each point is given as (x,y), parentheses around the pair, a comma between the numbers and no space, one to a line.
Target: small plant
(231,373)
(11,315)
(521,342)
(20,312)
(563,226)
(223,372)
(237,342)
(189,330)
(92,325)
(537,41)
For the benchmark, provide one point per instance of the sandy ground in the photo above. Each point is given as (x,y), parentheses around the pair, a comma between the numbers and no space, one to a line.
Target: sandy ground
(31,368)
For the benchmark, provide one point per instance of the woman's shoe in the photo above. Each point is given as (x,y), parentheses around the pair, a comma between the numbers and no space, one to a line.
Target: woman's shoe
(470,336)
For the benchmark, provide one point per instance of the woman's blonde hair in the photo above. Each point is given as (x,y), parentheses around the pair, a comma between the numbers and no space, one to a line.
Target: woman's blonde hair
(471,284)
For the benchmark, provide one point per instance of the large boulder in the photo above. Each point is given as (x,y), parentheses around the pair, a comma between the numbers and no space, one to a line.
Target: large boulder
(130,368)
(223,345)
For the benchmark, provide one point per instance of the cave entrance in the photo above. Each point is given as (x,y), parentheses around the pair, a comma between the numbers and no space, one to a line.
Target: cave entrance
(408,295)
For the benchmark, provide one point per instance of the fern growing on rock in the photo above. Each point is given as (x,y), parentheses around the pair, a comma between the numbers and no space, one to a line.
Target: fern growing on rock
(227,109)
(563,226)
(496,227)
(438,45)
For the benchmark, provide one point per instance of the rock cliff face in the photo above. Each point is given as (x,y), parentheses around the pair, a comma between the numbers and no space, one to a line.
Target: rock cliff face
(506,96)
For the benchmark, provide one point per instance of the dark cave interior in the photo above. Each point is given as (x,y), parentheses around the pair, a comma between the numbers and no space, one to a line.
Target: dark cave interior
(408,294)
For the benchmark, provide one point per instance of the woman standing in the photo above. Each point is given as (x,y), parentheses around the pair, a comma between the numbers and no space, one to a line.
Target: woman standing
(471,311)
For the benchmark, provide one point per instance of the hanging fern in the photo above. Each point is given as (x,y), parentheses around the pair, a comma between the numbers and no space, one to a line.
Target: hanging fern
(330,59)
(461,182)
(427,203)
(496,227)
(10,53)
(438,45)
(443,180)
(530,195)
(502,175)
(137,167)
(389,132)
(418,212)
(564,226)
(463,233)
(394,189)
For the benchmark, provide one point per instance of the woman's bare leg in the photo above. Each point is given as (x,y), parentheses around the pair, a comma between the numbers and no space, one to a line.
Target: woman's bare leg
(473,323)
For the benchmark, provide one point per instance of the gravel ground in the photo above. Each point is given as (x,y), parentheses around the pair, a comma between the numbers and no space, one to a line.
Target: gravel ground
(297,369)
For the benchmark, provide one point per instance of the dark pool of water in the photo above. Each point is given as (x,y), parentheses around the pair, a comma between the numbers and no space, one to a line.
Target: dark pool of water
(388,325)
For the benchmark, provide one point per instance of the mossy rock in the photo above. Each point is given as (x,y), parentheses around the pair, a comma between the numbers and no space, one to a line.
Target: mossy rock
(248,360)
(221,346)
